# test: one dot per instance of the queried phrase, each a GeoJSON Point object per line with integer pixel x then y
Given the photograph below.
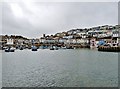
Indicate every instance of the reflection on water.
{"type": "Point", "coordinates": [62, 68]}
{"type": "Point", "coordinates": [0, 69]}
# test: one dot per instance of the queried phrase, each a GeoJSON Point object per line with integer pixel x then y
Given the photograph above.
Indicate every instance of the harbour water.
{"type": "Point", "coordinates": [0, 69]}
{"type": "Point", "coordinates": [61, 68]}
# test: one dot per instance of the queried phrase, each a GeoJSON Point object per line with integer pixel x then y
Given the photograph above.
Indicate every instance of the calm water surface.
{"type": "Point", "coordinates": [0, 69]}
{"type": "Point", "coordinates": [61, 68]}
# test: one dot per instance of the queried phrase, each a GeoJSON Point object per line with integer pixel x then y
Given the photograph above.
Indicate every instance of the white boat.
{"type": "Point", "coordinates": [9, 49]}
{"type": "Point", "coordinates": [53, 48]}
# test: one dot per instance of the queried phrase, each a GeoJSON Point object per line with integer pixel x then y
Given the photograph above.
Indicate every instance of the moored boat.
{"type": "Point", "coordinates": [51, 48]}
{"type": "Point", "coordinates": [56, 48]}
{"type": "Point", "coordinates": [21, 48]}
{"type": "Point", "coordinates": [34, 48]}
{"type": "Point", "coordinates": [9, 50]}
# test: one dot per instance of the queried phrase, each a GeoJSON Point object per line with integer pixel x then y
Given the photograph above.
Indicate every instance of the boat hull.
{"type": "Point", "coordinates": [34, 49]}
{"type": "Point", "coordinates": [9, 50]}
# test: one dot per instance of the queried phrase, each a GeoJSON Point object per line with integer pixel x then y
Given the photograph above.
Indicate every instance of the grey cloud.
{"type": "Point", "coordinates": [52, 17]}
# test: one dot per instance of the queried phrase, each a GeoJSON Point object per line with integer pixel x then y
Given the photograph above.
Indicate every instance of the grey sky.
{"type": "Point", "coordinates": [34, 19]}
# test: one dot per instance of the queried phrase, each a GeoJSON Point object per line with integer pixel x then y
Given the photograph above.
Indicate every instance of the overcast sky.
{"type": "Point", "coordinates": [35, 18]}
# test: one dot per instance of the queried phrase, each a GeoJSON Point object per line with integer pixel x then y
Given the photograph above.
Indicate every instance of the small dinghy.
{"type": "Point", "coordinates": [34, 48]}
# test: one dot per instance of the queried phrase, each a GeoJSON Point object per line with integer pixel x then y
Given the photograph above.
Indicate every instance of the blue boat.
{"type": "Point", "coordinates": [43, 47]}
{"type": "Point", "coordinates": [53, 48]}
{"type": "Point", "coordinates": [34, 48]}
{"type": "Point", "coordinates": [101, 42]}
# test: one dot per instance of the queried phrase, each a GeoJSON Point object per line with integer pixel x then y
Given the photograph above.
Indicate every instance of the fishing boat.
{"type": "Point", "coordinates": [43, 47]}
{"type": "Point", "coordinates": [9, 49]}
{"type": "Point", "coordinates": [3, 48]}
{"type": "Point", "coordinates": [34, 48]}
{"type": "Point", "coordinates": [64, 47]}
{"type": "Point", "coordinates": [21, 48]}
{"type": "Point", "coordinates": [56, 48]}
{"type": "Point", "coordinates": [53, 48]}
